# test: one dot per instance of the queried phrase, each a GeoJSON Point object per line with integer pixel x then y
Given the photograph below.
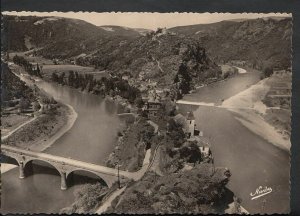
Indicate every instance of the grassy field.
{"type": "Point", "coordinates": [48, 67]}
{"type": "Point", "coordinates": [47, 70]}
{"type": "Point", "coordinates": [32, 59]}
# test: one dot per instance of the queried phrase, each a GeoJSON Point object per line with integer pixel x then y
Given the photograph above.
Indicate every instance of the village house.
{"type": "Point", "coordinates": [205, 151]}
{"type": "Point", "coordinates": [152, 105]}
{"type": "Point", "coordinates": [125, 77]}
{"type": "Point", "coordinates": [188, 124]}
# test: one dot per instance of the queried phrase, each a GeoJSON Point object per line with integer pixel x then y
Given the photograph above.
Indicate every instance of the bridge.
{"type": "Point", "coordinates": [66, 166]}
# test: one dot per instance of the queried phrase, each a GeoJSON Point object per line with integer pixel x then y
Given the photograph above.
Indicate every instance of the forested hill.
{"type": "Point", "coordinates": [155, 56]}
{"type": "Point", "coordinates": [148, 55]}
{"type": "Point", "coordinates": [263, 42]}
{"type": "Point", "coordinates": [12, 87]}
{"type": "Point", "coordinates": [57, 36]}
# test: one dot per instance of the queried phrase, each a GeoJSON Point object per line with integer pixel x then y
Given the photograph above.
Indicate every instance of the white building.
{"type": "Point", "coordinates": [188, 124]}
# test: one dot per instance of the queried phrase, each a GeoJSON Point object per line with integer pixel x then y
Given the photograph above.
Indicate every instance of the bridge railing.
{"type": "Point", "coordinates": [64, 161]}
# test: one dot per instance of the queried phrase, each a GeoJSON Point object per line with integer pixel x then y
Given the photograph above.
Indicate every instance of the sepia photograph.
{"type": "Point", "coordinates": [145, 113]}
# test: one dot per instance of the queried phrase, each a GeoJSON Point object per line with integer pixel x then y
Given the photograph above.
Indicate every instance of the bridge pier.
{"type": "Point", "coordinates": [63, 181]}
{"type": "Point", "coordinates": [21, 170]}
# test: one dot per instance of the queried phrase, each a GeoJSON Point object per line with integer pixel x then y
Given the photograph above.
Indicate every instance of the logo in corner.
{"type": "Point", "coordinates": [260, 191]}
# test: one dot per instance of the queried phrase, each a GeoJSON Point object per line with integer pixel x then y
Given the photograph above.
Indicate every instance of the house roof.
{"type": "Point", "coordinates": [190, 116]}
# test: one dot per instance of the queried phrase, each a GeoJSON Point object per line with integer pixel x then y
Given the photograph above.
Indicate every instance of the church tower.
{"type": "Point", "coordinates": [191, 123]}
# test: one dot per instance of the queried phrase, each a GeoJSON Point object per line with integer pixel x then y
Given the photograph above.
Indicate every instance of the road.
{"type": "Point", "coordinates": [68, 161]}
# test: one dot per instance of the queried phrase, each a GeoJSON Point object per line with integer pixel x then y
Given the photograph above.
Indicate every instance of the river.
{"type": "Point", "coordinates": [252, 160]}
{"type": "Point", "coordinates": [218, 91]}
{"type": "Point", "coordinates": [91, 139]}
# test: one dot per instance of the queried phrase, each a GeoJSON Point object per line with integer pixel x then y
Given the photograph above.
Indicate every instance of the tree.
{"type": "Point", "coordinates": [146, 133]}
{"type": "Point", "coordinates": [61, 78]}
{"type": "Point", "coordinates": [195, 154]}
{"type": "Point", "coordinates": [54, 77]}
{"type": "Point", "coordinates": [139, 102]}
{"type": "Point", "coordinates": [175, 133]}
{"type": "Point", "coordinates": [169, 107]}
{"type": "Point", "coordinates": [268, 71]}
{"type": "Point", "coordinates": [183, 79]}
{"type": "Point", "coordinates": [71, 78]}
{"type": "Point", "coordinates": [24, 104]}
{"type": "Point", "coordinates": [36, 106]}
{"type": "Point", "coordinates": [38, 71]}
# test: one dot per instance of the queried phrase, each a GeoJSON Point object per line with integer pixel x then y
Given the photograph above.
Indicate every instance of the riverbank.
{"type": "Point", "coordinates": [251, 111]}
{"type": "Point", "coordinates": [49, 132]}
{"type": "Point", "coordinates": [41, 133]}
{"type": "Point", "coordinates": [71, 117]}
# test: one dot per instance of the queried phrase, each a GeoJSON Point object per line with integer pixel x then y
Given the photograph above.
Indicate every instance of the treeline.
{"type": "Point", "coordinates": [112, 86]}
{"type": "Point", "coordinates": [12, 87]}
{"type": "Point", "coordinates": [29, 68]}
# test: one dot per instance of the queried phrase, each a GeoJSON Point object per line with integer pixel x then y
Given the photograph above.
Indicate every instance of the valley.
{"type": "Point", "coordinates": [180, 106]}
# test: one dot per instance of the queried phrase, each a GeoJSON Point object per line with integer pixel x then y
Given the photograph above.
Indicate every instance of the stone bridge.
{"type": "Point", "coordinates": [65, 166]}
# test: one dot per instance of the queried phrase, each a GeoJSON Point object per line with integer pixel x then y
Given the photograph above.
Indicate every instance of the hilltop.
{"type": "Point", "coordinates": [56, 36]}
{"type": "Point", "coordinates": [125, 31]}
{"type": "Point", "coordinates": [156, 57]}
{"type": "Point", "coordinates": [261, 42]}
{"type": "Point", "coordinates": [141, 54]}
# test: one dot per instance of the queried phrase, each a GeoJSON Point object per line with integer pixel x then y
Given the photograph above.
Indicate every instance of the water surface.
{"type": "Point", "coordinates": [252, 160]}
{"type": "Point", "coordinates": [91, 139]}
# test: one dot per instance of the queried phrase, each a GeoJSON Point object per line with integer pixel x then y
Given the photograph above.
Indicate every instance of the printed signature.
{"type": "Point", "coordinates": [260, 191]}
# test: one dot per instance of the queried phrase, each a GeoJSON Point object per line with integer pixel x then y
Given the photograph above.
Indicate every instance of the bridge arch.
{"type": "Point", "coordinates": [107, 179]}
{"type": "Point", "coordinates": [28, 162]}
{"type": "Point", "coordinates": [63, 182]}
{"type": "Point", "coordinates": [10, 160]}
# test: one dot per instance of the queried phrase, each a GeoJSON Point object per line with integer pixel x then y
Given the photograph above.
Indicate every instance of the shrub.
{"type": "Point", "coordinates": [268, 71]}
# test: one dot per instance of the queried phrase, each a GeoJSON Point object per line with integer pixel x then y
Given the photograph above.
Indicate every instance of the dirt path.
{"type": "Point", "coordinates": [17, 128]}
{"type": "Point", "coordinates": [108, 202]}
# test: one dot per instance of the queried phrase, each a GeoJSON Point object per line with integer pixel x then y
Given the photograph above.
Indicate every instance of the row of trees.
{"type": "Point", "coordinates": [29, 68]}
{"type": "Point", "coordinates": [105, 86]}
